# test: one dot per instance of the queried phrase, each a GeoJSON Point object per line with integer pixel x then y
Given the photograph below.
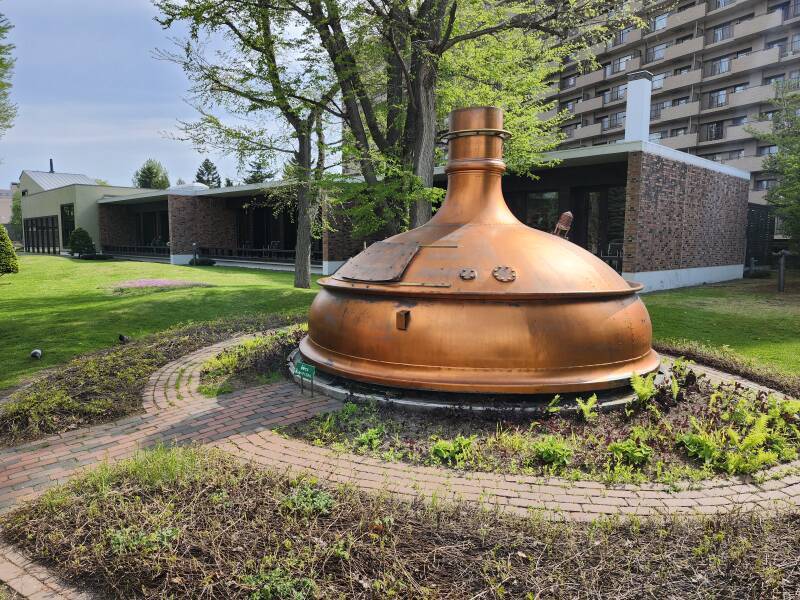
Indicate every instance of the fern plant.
{"type": "Point", "coordinates": [588, 408]}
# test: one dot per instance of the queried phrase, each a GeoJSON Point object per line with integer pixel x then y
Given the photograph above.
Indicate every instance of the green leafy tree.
{"type": "Point", "coordinates": [785, 163]}
{"type": "Point", "coordinates": [151, 174]}
{"type": "Point", "coordinates": [281, 111]}
{"type": "Point", "coordinates": [80, 242]}
{"type": "Point", "coordinates": [8, 258]}
{"type": "Point", "coordinates": [8, 110]}
{"type": "Point", "coordinates": [207, 174]}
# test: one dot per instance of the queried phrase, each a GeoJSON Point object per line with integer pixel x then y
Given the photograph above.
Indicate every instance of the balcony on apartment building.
{"type": "Point", "coordinates": [710, 133]}
{"type": "Point", "coordinates": [674, 82]}
{"type": "Point", "coordinates": [616, 69]}
{"type": "Point", "coordinates": [660, 114]}
{"type": "Point", "coordinates": [719, 101]}
{"type": "Point", "coordinates": [728, 33]}
{"type": "Point", "coordinates": [588, 105]}
{"type": "Point", "coordinates": [718, 69]}
{"type": "Point", "coordinates": [679, 142]}
{"type": "Point", "coordinates": [677, 19]}
{"type": "Point", "coordinates": [585, 131]}
{"type": "Point", "coordinates": [719, 7]}
{"type": "Point", "coordinates": [750, 163]}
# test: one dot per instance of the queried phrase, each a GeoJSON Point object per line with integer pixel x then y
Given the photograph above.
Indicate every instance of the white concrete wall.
{"type": "Point", "coordinates": [677, 278]}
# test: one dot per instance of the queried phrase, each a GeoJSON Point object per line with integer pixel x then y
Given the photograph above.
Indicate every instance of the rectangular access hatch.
{"type": "Point", "coordinates": [382, 261]}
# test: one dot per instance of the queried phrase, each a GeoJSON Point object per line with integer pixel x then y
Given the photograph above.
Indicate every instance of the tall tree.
{"type": "Point", "coordinates": [15, 225]}
{"type": "Point", "coordinates": [271, 77]}
{"type": "Point", "coordinates": [151, 174]}
{"type": "Point", "coordinates": [415, 38]}
{"type": "Point", "coordinates": [785, 163]}
{"type": "Point", "coordinates": [8, 110]}
{"type": "Point", "coordinates": [207, 174]}
{"type": "Point", "coordinates": [258, 172]}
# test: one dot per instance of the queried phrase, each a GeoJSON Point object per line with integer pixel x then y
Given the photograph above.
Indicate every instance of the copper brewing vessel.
{"type": "Point", "coordinates": [475, 301]}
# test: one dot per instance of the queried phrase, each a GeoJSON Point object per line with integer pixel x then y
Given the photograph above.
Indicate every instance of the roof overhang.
{"type": "Point", "coordinates": [236, 191]}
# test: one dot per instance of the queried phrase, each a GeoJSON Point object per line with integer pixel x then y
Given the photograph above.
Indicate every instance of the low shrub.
{"type": "Point", "coordinates": [80, 242]}
{"type": "Point", "coordinates": [96, 257]}
{"type": "Point", "coordinates": [8, 257]}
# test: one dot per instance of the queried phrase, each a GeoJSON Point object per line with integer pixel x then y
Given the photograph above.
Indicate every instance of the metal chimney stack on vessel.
{"type": "Point", "coordinates": [475, 301]}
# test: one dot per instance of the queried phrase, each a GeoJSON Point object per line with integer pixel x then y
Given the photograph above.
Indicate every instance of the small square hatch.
{"type": "Point", "coordinates": [382, 261]}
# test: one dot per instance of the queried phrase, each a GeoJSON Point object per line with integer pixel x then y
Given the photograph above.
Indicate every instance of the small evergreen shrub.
{"type": "Point", "coordinates": [80, 242]}
{"type": "Point", "coordinates": [8, 258]}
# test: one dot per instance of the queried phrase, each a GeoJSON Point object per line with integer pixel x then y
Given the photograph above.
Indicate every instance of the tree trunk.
{"type": "Point", "coordinates": [424, 140]}
{"type": "Point", "coordinates": [305, 214]}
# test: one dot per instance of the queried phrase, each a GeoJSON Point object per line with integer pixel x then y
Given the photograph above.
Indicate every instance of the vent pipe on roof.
{"type": "Point", "coordinates": [637, 107]}
{"type": "Point", "coordinates": [51, 166]}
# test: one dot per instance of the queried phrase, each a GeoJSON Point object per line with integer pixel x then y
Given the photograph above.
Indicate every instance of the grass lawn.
{"type": "Point", "coordinates": [68, 307]}
{"type": "Point", "coordinates": [748, 317]}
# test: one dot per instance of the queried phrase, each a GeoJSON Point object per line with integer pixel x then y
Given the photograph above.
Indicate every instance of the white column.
{"type": "Point", "coordinates": [637, 108]}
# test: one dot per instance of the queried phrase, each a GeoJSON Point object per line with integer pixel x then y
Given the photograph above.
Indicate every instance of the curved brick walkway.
{"type": "Point", "coordinates": [242, 423]}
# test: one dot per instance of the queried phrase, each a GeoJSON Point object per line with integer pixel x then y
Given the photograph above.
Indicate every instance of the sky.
{"type": "Point", "coordinates": [92, 97]}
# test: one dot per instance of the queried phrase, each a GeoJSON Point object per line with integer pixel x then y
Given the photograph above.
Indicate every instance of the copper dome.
{"type": "Point", "coordinates": [475, 301]}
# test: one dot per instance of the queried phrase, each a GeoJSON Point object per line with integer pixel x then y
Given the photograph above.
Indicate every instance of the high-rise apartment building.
{"type": "Point", "coordinates": [715, 67]}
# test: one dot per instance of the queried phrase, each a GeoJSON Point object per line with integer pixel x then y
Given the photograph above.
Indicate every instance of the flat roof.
{"type": "Point", "coordinates": [609, 152]}
{"type": "Point", "coordinates": [155, 195]}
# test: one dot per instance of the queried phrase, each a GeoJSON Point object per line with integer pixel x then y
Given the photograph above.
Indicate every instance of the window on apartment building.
{"type": "Point", "coordinates": [678, 131]}
{"type": "Point", "coordinates": [617, 92]}
{"type": "Point", "coordinates": [568, 82]}
{"type": "Point", "coordinates": [717, 98]}
{"type": "Point", "coordinates": [622, 36]}
{"type": "Point", "coordinates": [656, 52]}
{"type": "Point", "coordinates": [736, 121]}
{"type": "Point", "coordinates": [657, 135]}
{"type": "Point", "coordinates": [782, 43]}
{"type": "Point", "coordinates": [659, 21]}
{"type": "Point", "coordinates": [767, 115]}
{"type": "Point", "coordinates": [658, 81]}
{"type": "Point", "coordinates": [796, 41]}
{"type": "Point", "coordinates": [766, 150]}
{"type": "Point", "coordinates": [712, 131]}
{"type": "Point", "coordinates": [570, 104]}
{"type": "Point", "coordinates": [720, 32]}
{"type": "Point", "coordinates": [784, 8]}
{"type": "Point", "coordinates": [618, 65]}
{"type": "Point", "coordinates": [739, 87]}
{"type": "Point", "coordinates": [721, 3]}
{"type": "Point", "coordinates": [765, 184]}
{"type": "Point", "coordinates": [773, 79]}
{"type": "Point", "coordinates": [682, 70]}
{"type": "Point", "coordinates": [715, 157]}
{"type": "Point", "coordinates": [684, 38]}
{"type": "Point", "coordinates": [680, 101]}
{"type": "Point", "coordinates": [733, 154]}
{"type": "Point", "coordinates": [717, 66]}
{"type": "Point", "coordinates": [657, 107]}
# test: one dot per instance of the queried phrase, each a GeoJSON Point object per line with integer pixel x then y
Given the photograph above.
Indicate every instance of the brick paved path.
{"type": "Point", "coordinates": [242, 423]}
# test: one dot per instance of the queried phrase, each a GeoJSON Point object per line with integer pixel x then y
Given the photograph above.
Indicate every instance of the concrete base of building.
{"type": "Point", "coordinates": [329, 267]}
{"type": "Point", "coordinates": [676, 278]}
{"type": "Point", "coordinates": [180, 259]}
{"type": "Point", "coordinates": [269, 266]}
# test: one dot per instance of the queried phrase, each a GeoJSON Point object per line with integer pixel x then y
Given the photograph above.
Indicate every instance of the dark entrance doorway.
{"type": "Point", "coordinates": [599, 221]}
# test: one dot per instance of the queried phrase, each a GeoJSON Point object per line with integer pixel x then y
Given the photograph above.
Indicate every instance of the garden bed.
{"type": "Point", "coordinates": [256, 361]}
{"type": "Point", "coordinates": [107, 385]}
{"type": "Point", "coordinates": [684, 428]}
{"type": "Point", "coordinates": [192, 523]}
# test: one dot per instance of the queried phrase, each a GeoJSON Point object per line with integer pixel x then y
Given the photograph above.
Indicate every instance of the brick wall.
{"type": "Point", "coordinates": [209, 222]}
{"type": "Point", "coordinates": [117, 225]}
{"type": "Point", "coordinates": [341, 244]}
{"type": "Point", "coordinates": [680, 216]}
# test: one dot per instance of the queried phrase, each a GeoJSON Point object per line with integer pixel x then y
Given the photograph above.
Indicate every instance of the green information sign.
{"type": "Point", "coordinates": [305, 370]}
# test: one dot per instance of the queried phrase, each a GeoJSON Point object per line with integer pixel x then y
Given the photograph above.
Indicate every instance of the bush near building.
{"type": "Point", "coordinates": [8, 258]}
{"type": "Point", "coordinates": [80, 242]}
